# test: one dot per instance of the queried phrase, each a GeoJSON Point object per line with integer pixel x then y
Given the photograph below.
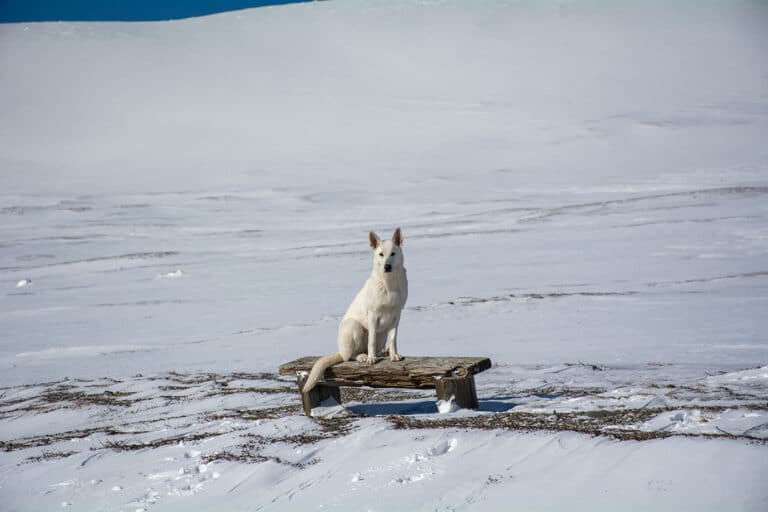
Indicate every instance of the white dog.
{"type": "Point", "coordinates": [374, 313]}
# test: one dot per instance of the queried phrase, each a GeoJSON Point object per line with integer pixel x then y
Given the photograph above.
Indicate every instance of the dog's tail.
{"type": "Point", "coordinates": [318, 369]}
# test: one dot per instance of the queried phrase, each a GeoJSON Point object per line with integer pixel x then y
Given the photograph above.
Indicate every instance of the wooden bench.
{"type": "Point", "coordinates": [452, 377]}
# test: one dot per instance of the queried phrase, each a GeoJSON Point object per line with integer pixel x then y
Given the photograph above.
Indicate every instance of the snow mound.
{"type": "Point", "coordinates": [447, 406]}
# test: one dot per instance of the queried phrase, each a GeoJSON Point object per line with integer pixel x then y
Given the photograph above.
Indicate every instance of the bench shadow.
{"type": "Point", "coordinates": [409, 407]}
{"type": "Point", "coordinates": [495, 405]}
{"type": "Point", "coordinates": [404, 408]}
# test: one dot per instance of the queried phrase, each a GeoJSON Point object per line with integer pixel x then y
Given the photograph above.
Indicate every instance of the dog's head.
{"type": "Point", "coordinates": [388, 255]}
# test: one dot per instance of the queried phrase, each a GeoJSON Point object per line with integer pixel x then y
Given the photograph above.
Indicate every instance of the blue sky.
{"type": "Point", "coordinates": [120, 10]}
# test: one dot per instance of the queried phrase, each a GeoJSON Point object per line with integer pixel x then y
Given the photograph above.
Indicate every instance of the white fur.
{"type": "Point", "coordinates": [374, 314]}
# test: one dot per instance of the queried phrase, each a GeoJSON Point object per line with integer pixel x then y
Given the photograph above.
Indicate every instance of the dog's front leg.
{"type": "Point", "coordinates": [393, 355]}
{"type": "Point", "coordinates": [371, 358]}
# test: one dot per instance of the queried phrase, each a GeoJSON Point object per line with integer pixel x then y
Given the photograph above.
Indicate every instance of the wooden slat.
{"type": "Point", "coordinates": [411, 372]}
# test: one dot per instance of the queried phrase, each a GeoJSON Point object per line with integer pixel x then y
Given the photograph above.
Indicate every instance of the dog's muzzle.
{"type": "Point", "coordinates": [387, 268]}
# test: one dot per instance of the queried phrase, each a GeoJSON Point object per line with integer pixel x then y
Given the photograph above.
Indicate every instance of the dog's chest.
{"type": "Point", "coordinates": [385, 318]}
{"type": "Point", "coordinates": [391, 294]}
{"type": "Point", "coordinates": [387, 303]}
{"type": "Point", "coordinates": [392, 299]}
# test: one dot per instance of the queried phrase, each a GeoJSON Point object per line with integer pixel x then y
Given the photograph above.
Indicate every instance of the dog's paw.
{"type": "Point", "coordinates": [366, 359]}
{"type": "Point", "coordinates": [395, 357]}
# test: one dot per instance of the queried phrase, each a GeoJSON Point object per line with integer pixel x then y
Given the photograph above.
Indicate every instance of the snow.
{"type": "Point", "coordinates": [329, 408]}
{"type": "Point", "coordinates": [447, 406]}
{"type": "Point", "coordinates": [582, 190]}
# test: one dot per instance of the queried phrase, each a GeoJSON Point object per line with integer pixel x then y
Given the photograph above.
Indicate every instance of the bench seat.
{"type": "Point", "coordinates": [451, 377]}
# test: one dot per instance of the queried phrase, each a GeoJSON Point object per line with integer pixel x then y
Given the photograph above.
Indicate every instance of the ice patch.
{"type": "Point", "coordinates": [752, 376]}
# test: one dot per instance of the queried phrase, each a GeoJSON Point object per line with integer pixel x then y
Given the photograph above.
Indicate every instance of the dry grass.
{"type": "Point", "coordinates": [127, 446]}
{"type": "Point", "coordinates": [48, 455]}
{"type": "Point", "coordinates": [49, 439]}
{"type": "Point", "coordinates": [372, 395]}
{"type": "Point", "coordinates": [596, 423]}
{"type": "Point", "coordinates": [252, 451]}
{"type": "Point", "coordinates": [121, 434]}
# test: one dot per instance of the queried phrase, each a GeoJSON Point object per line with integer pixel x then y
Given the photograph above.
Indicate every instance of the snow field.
{"type": "Point", "coordinates": [582, 189]}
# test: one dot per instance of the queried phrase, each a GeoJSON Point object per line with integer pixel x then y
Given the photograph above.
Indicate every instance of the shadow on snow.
{"type": "Point", "coordinates": [407, 408]}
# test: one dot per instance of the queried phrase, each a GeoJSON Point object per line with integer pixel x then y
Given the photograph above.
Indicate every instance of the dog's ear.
{"type": "Point", "coordinates": [374, 240]}
{"type": "Point", "coordinates": [397, 237]}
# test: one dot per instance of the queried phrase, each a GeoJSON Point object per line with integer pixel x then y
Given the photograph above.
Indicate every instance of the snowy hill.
{"type": "Point", "coordinates": [582, 189]}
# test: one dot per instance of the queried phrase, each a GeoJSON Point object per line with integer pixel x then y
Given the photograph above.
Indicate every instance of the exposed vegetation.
{"type": "Point", "coordinates": [615, 423]}
{"type": "Point", "coordinates": [138, 417]}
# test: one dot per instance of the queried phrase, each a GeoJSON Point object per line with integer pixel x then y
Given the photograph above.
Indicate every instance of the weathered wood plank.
{"type": "Point", "coordinates": [411, 372]}
{"type": "Point", "coordinates": [315, 396]}
{"type": "Point", "coordinates": [460, 389]}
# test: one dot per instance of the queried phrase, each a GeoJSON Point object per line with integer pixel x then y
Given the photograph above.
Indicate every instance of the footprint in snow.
{"type": "Point", "coordinates": [437, 450]}
{"type": "Point", "coordinates": [443, 447]}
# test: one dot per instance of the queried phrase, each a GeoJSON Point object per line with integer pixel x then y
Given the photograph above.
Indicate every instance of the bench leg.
{"type": "Point", "coordinates": [461, 388]}
{"type": "Point", "coordinates": [316, 395]}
